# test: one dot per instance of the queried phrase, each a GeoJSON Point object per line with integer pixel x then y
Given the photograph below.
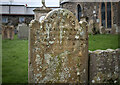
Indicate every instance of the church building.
{"type": "Point", "coordinates": [106, 14]}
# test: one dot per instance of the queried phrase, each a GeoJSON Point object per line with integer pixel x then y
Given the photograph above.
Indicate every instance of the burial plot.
{"type": "Point", "coordinates": [58, 49]}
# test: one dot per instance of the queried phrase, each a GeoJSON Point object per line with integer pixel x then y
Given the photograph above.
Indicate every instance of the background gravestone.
{"type": "Point", "coordinates": [21, 24]}
{"type": "Point", "coordinates": [58, 49]}
{"type": "Point", "coordinates": [8, 32]}
{"type": "Point", "coordinates": [102, 30]}
{"type": "Point", "coordinates": [23, 32]}
{"type": "Point", "coordinates": [90, 26]}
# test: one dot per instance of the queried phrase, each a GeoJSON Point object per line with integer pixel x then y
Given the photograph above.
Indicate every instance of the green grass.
{"type": "Point", "coordinates": [103, 42]}
{"type": "Point", "coordinates": [14, 61]}
{"type": "Point", "coordinates": [15, 56]}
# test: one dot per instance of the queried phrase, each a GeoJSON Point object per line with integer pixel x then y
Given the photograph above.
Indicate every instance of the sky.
{"type": "Point", "coordinates": [34, 3]}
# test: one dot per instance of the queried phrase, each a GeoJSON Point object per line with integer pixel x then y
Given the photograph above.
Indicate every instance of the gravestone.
{"type": "Point", "coordinates": [23, 32]}
{"type": "Point", "coordinates": [104, 66]}
{"type": "Point", "coordinates": [115, 29]}
{"type": "Point", "coordinates": [90, 26]}
{"type": "Point", "coordinates": [102, 30]}
{"type": "Point", "coordinates": [23, 24]}
{"type": "Point", "coordinates": [58, 49]}
{"type": "Point", "coordinates": [93, 27]}
{"type": "Point", "coordinates": [8, 32]}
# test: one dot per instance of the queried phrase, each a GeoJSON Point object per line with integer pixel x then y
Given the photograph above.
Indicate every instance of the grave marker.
{"type": "Point", "coordinates": [58, 49]}
{"type": "Point", "coordinates": [23, 32]}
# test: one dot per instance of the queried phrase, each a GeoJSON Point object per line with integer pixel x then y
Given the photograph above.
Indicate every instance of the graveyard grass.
{"type": "Point", "coordinates": [14, 61]}
{"type": "Point", "coordinates": [15, 56]}
{"type": "Point", "coordinates": [103, 42]}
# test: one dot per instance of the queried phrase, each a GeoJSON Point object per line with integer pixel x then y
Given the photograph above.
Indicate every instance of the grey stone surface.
{"type": "Point", "coordinates": [23, 32]}
{"type": "Point", "coordinates": [104, 66]}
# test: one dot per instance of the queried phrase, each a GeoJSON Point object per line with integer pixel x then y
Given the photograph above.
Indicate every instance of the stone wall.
{"type": "Point", "coordinates": [87, 8]}
{"type": "Point", "coordinates": [71, 7]}
{"type": "Point", "coordinates": [104, 66]}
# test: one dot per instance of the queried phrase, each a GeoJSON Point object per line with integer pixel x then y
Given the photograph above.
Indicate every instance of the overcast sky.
{"type": "Point", "coordinates": [37, 3]}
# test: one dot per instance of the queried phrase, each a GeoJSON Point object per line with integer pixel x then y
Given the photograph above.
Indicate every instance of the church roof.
{"type": "Point", "coordinates": [64, 1]}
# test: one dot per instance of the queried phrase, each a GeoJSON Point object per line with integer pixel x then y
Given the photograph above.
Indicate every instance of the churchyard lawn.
{"type": "Point", "coordinates": [104, 42]}
{"type": "Point", "coordinates": [15, 56]}
{"type": "Point", "coordinates": [14, 61]}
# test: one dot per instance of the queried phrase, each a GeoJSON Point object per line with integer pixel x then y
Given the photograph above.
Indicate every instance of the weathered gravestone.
{"type": "Point", "coordinates": [58, 49]}
{"type": "Point", "coordinates": [90, 26]}
{"type": "Point", "coordinates": [115, 29]}
{"type": "Point", "coordinates": [7, 32]}
{"type": "Point", "coordinates": [23, 24]}
{"type": "Point", "coordinates": [102, 30]}
{"type": "Point", "coordinates": [93, 27]}
{"type": "Point", "coordinates": [104, 66]}
{"type": "Point", "coordinates": [23, 32]}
